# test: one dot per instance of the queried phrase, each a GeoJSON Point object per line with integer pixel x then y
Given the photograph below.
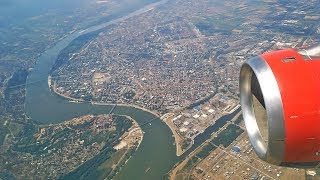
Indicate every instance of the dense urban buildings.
{"type": "Point", "coordinates": [179, 60]}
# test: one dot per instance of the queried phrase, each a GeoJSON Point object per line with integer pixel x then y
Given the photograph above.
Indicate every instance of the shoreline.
{"type": "Point", "coordinates": [135, 125]}
{"type": "Point", "coordinates": [122, 105]}
{"type": "Point", "coordinates": [177, 138]}
{"type": "Point", "coordinates": [52, 86]}
{"type": "Point", "coordinates": [140, 129]}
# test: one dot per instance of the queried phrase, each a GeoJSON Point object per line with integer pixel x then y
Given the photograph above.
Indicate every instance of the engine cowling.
{"type": "Point", "coordinates": [280, 100]}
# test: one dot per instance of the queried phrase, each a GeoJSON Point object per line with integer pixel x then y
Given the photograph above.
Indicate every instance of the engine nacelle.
{"type": "Point", "coordinates": [280, 99]}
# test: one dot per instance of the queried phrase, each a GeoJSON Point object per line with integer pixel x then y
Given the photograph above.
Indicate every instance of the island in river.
{"type": "Point", "coordinates": [156, 151]}
{"type": "Point", "coordinates": [41, 107]}
{"type": "Point", "coordinates": [71, 149]}
{"type": "Point", "coordinates": [186, 51]}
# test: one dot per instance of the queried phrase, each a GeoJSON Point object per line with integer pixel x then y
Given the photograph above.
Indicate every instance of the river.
{"type": "Point", "coordinates": [157, 150]}
{"type": "Point", "coordinates": [155, 156]}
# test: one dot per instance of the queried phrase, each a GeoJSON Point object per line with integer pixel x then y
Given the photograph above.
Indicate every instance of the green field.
{"type": "Point", "coordinates": [227, 136]}
{"type": "Point", "coordinates": [205, 150]}
{"type": "Point", "coordinates": [3, 131]}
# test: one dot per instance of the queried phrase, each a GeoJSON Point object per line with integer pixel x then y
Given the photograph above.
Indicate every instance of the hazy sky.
{"type": "Point", "coordinates": [29, 8]}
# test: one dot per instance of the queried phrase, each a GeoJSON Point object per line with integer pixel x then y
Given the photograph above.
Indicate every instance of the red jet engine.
{"type": "Point", "coordinates": [280, 100]}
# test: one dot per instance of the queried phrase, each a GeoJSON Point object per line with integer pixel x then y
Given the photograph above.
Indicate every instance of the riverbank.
{"type": "Point", "coordinates": [127, 105]}
{"type": "Point", "coordinates": [52, 86]}
{"type": "Point", "coordinates": [178, 139]}
{"type": "Point", "coordinates": [45, 107]}
{"type": "Point", "coordinates": [135, 132]}
{"type": "Point", "coordinates": [167, 118]}
{"type": "Point", "coordinates": [130, 141]}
